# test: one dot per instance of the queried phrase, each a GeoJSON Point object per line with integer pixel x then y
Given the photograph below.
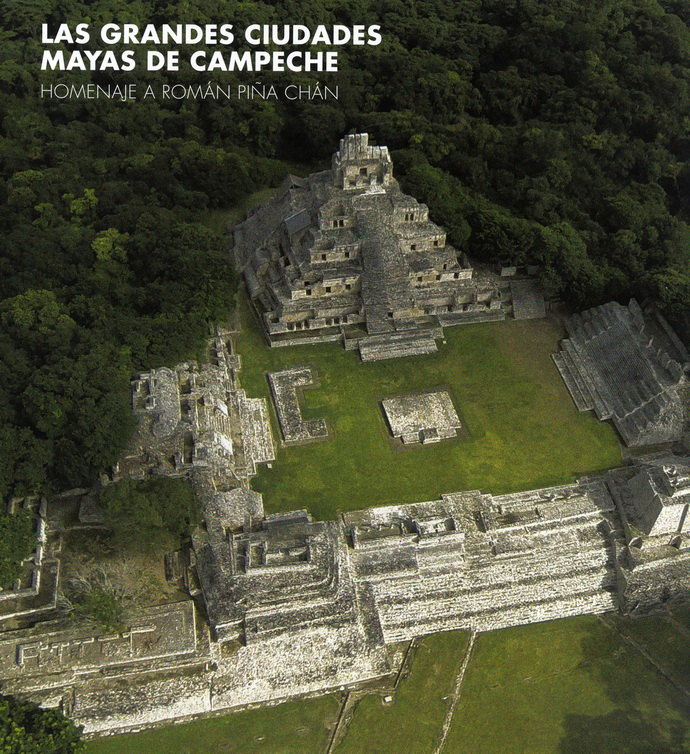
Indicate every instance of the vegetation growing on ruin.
{"type": "Point", "coordinates": [17, 539]}
{"type": "Point", "coordinates": [150, 514]}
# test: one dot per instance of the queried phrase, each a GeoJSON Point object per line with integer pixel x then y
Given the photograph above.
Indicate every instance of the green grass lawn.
{"type": "Point", "coordinates": [521, 429]}
{"type": "Point", "coordinates": [291, 728]}
{"type": "Point", "coordinates": [569, 686]}
{"type": "Point", "coordinates": [666, 642]}
{"type": "Point", "coordinates": [411, 723]}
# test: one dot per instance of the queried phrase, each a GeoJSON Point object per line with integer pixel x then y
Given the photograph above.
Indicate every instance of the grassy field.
{"type": "Point", "coordinates": [568, 686]}
{"type": "Point", "coordinates": [521, 429]}
{"type": "Point", "coordinates": [291, 728]}
{"type": "Point", "coordinates": [666, 640]}
{"type": "Point", "coordinates": [411, 723]}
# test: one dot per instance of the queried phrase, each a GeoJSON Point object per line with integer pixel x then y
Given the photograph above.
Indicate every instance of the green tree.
{"type": "Point", "coordinates": [25, 728]}
{"type": "Point", "coordinates": [154, 513]}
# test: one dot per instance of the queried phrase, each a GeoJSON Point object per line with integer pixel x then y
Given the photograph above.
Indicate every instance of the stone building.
{"type": "Point", "coordinates": [653, 561]}
{"type": "Point", "coordinates": [345, 255]}
{"type": "Point", "coordinates": [422, 417]}
{"type": "Point", "coordinates": [619, 364]}
{"type": "Point", "coordinates": [198, 423]}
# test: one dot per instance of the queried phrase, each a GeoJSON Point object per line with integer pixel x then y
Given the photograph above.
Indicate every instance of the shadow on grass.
{"type": "Point", "coordinates": [624, 731]}
{"type": "Point", "coordinates": [650, 716]}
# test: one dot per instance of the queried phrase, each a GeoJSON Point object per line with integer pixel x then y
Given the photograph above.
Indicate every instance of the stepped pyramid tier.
{"type": "Point", "coordinates": [469, 560]}
{"type": "Point", "coordinates": [473, 561]}
{"type": "Point", "coordinates": [614, 364]}
{"type": "Point", "coordinates": [298, 607]}
{"type": "Point", "coordinates": [345, 255]}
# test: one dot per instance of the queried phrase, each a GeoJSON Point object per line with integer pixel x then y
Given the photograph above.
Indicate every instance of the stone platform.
{"type": "Point", "coordinates": [422, 417]}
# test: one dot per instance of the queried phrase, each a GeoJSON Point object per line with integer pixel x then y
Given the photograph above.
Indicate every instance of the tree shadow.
{"type": "Point", "coordinates": [631, 728]}
{"type": "Point", "coordinates": [622, 731]}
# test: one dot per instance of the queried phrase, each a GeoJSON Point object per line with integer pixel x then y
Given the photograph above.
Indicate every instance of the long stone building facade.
{"type": "Point", "coordinates": [345, 255]}
{"type": "Point", "coordinates": [295, 607]}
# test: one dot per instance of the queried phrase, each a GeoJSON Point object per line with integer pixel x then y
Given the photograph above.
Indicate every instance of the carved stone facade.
{"type": "Point", "coordinates": [345, 255]}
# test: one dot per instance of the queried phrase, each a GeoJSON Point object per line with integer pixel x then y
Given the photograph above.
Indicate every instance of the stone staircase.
{"type": "Point", "coordinates": [609, 367]}
{"type": "Point", "coordinates": [396, 344]}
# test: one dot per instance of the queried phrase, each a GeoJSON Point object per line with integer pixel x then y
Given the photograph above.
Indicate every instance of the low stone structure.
{"type": "Point", "coordinates": [422, 417]}
{"type": "Point", "coordinates": [612, 364]}
{"type": "Point", "coordinates": [474, 561]}
{"type": "Point", "coordinates": [285, 385]}
{"type": "Point", "coordinates": [528, 299]}
{"type": "Point", "coordinates": [97, 679]}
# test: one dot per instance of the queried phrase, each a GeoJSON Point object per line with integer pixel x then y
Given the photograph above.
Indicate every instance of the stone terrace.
{"type": "Point", "coordinates": [476, 562]}
{"type": "Point", "coordinates": [528, 299]}
{"type": "Point", "coordinates": [35, 591]}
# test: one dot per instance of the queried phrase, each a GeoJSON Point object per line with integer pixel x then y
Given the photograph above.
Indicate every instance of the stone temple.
{"type": "Point", "coordinates": [344, 255]}
{"type": "Point", "coordinates": [619, 364]}
{"type": "Point", "coordinates": [283, 606]}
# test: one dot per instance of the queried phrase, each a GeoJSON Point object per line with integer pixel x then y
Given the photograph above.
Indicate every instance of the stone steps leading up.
{"type": "Point", "coordinates": [448, 319]}
{"type": "Point", "coordinates": [582, 399]}
{"type": "Point", "coordinates": [583, 603]}
{"type": "Point", "coordinates": [395, 345]}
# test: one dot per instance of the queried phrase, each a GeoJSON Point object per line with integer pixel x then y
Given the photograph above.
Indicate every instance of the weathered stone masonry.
{"type": "Point", "coordinates": [345, 255]}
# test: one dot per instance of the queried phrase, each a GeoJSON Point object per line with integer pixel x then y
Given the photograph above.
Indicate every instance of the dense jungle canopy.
{"type": "Point", "coordinates": [537, 131]}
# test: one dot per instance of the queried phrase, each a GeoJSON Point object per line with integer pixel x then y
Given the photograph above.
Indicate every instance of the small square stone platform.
{"type": "Point", "coordinates": [422, 417]}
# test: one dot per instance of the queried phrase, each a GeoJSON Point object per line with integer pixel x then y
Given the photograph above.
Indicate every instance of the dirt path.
{"type": "Point", "coordinates": [455, 695]}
